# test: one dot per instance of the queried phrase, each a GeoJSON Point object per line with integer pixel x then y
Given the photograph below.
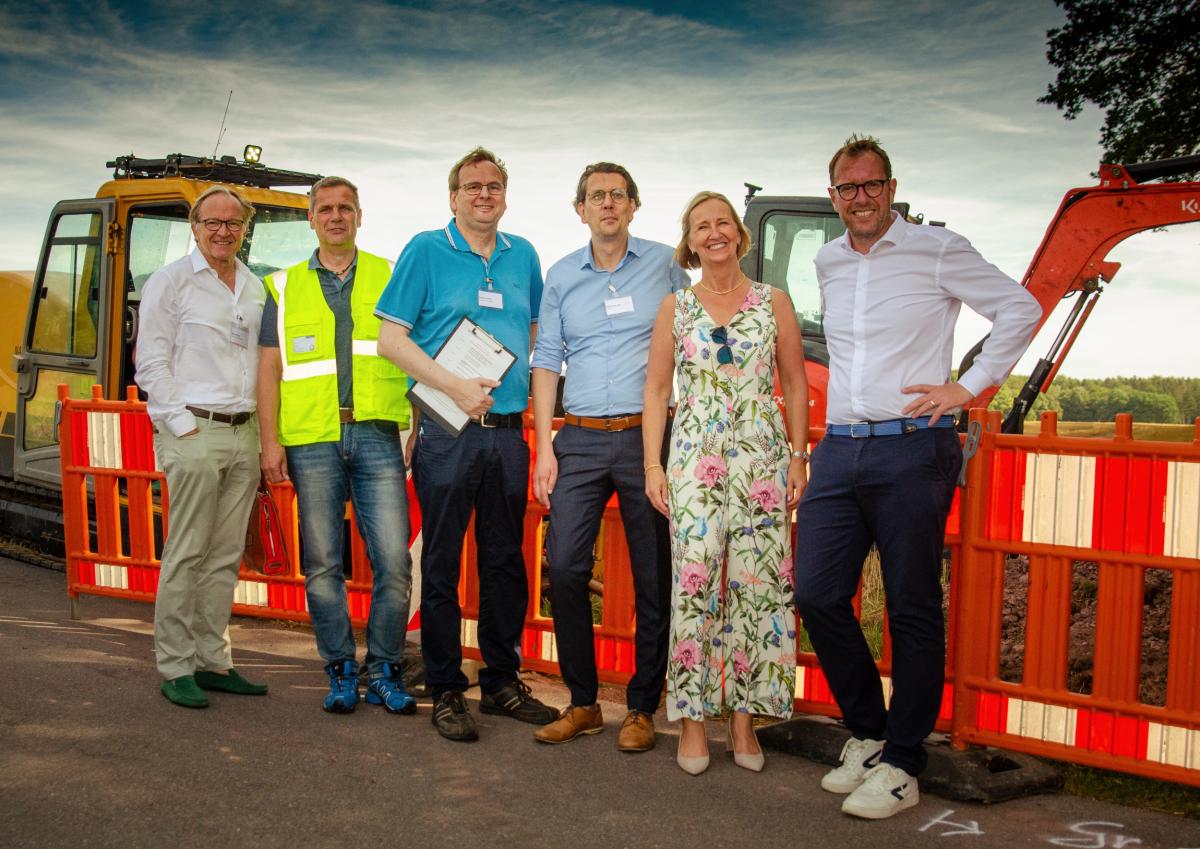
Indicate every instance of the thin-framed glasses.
{"type": "Point", "coordinates": [473, 189]}
{"type": "Point", "coordinates": [234, 225]}
{"type": "Point", "coordinates": [724, 353]}
{"type": "Point", "coordinates": [849, 191]}
{"type": "Point", "coordinates": [597, 197]}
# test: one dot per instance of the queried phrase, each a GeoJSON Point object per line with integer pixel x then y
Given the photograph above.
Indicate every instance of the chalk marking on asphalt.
{"type": "Point", "coordinates": [1094, 839]}
{"type": "Point", "coordinates": [968, 827]}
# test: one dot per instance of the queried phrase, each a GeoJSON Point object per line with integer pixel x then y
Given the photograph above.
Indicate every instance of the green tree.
{"type": "Point", "coordinates": [1139, 60]}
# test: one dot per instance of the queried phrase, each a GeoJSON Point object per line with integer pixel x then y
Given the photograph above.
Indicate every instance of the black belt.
{"type": "Point", "coordinates": [500, 420]}
{"type": "Point", "coordinates": [224, 418]}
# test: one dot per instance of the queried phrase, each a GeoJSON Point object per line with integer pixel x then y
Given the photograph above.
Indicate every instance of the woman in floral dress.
{"type": "Point", "coordinates": [730, 484]}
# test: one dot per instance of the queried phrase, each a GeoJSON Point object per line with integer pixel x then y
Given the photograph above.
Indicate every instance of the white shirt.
{"type": "Point", "coordinates": [190, 348]}
{"type": "Point", "coordinates": [890, 316]}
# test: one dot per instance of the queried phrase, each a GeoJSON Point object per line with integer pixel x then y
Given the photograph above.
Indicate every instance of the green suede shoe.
{"type": "Point", "coordinates": [231, 683]}
{"type": "Point", "coordinates": [184, 692]}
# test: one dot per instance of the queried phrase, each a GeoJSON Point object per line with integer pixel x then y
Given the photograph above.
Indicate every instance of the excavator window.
{"type": "Point", "coordinates": [67, 306]}
{"type": "Point", "coordinates": [789, 244]}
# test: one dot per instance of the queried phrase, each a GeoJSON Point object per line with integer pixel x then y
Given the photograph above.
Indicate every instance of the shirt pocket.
{"type": "Point", "coordinates": [305, 344]}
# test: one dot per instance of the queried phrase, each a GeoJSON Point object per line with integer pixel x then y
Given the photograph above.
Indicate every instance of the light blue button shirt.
{"type": "Point", "coordinates": [605, 350]}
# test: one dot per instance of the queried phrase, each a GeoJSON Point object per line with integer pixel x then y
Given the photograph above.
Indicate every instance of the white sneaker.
{"type": "Point", "coordinates": [887, 790]}
{"type": "Point", "coordinates": [858, 757]}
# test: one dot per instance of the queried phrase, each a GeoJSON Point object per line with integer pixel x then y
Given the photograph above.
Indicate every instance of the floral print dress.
{"type": "Point", "coordinates": [733, 623]}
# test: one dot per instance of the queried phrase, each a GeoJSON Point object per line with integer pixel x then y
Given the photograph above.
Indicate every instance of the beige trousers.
{"type": "Point", "coordinates": [211, 480]}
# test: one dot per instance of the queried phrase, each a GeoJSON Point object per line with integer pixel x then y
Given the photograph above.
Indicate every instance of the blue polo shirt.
{"type": "Point", "coordinates": [436, 282]}
{"type": "Point", "coordinates": [605, 348]}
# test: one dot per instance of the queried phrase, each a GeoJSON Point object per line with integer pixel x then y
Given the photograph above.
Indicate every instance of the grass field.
{"type": "Point", "coordinates": [1157, 432]}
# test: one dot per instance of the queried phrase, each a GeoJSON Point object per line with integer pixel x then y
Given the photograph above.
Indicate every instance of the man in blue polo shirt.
{"type": "Point", "coordinates": [597, 317]}
{"type": "Point", "coordinates": [470, 269]}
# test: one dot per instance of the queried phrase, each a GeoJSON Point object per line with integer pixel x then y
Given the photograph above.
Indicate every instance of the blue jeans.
{"type": "Point", "coordinates": [896, 491]}
{"type": "Point", "coordinates": [365, 466]}
{"type": "Point", "coordinates": [485, 471]}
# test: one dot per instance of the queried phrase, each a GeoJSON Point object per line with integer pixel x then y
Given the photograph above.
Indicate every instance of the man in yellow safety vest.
{"type": "Point", "coordinates": [331, 411]}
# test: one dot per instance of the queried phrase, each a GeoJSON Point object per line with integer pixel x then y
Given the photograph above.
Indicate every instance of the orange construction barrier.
{"type": "Point", "coordinates": [1116, 506]}
{"type": "Point", "coordinates": [114, 539]}
{"type": "Point", "coordinates": [1034, 505]}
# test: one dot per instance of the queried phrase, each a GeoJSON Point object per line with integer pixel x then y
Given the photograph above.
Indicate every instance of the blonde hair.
{"type": "Point", "coordinates": [684, 255]}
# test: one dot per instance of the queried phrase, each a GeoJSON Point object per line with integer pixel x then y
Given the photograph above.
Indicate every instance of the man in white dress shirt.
{"type": "Point", "coordinates": [886, 470]}
{"type": "Point", "coordinates": [197, 361]}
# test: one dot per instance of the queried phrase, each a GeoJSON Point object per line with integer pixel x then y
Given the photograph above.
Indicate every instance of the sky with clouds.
{"type": "Point", "coordinates": [688, 96]}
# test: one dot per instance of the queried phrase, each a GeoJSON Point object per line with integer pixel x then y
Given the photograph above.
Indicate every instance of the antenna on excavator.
{"type": "Point", "coordinates": [221, 132]}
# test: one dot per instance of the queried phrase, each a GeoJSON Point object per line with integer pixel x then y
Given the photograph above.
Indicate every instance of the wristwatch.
{"type": "Point", "coordinates": [801, 455]}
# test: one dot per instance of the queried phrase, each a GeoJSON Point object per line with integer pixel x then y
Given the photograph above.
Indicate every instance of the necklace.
{"type": "Point", "coordinates": [733, 288]}
{"type": "Point", "coordinates": [339, 271]}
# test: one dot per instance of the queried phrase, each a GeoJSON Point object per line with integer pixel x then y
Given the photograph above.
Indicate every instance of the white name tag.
{"type": "Point", "coordinates": [616, 306]}
{"type": "Point", "coordinates": [240, 335]}
{"type": "Point", "coordinates": [304, 344]}
{"type": "Point", "coordinates": [491, 300]}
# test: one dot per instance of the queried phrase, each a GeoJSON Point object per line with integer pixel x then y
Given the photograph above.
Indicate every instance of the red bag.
{"type": "Point", "coordinates": [265, 549]}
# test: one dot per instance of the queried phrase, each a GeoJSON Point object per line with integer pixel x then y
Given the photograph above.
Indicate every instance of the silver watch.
{"type": "Point", "coordinates": [801, 455]}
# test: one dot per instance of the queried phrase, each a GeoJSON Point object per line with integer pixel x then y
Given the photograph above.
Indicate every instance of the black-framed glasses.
{"type": "Point", "coordinates": [724, 353]}
{"type": "Point", "coordinates": [234, 225]}
{"type": "Point", "coordinates": [473, 189]}
{"type": "Point", "coordinates": [597, 197]}
{"type": "Point", "coordinates": [849, 191]}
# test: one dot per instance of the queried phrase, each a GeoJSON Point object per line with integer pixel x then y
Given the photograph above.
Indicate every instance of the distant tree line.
{"type": "Point", "coordinates": [1169, 400]}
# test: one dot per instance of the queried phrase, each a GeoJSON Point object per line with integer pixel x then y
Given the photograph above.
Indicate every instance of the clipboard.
{"type": "Point", "coordinates": [469, 351]}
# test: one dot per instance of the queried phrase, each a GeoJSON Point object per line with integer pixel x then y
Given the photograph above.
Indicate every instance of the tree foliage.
{"type": "Point", "coordinates": [1168, 400]}
{"type": "Point", "coordinates": [1139, 60]}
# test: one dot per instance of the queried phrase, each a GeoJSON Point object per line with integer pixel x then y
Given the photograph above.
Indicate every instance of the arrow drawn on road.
{"type": "Point", "coordinates": [942, 819]}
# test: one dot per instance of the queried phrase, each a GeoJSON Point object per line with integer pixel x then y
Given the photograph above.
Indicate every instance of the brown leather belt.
{"type": "Point", "coordinates": [346, 415]}
{"type": "Point", "coordinates": [611, 423]}
{"type": "Point", "coordinates": [224, 418]}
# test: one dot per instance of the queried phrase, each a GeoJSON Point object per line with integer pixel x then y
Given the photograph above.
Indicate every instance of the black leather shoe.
{"type": "Point", "coordinates": [452, 719]}
{"type": "Point", "coordinates": [517, 701]}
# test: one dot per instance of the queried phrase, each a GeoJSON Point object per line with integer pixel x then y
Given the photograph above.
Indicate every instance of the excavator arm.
{"type": "Point", "coordinates": [1071, 260]}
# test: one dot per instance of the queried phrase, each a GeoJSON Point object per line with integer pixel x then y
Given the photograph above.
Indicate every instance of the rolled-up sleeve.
{"type": "Point", "coordinates": [548, 349]}
{"type": "Point", "coordinates": [1013, 311]}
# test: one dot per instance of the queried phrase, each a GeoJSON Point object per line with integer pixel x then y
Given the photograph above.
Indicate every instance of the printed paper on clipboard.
{"type": "Point", "coordinates": [470, 351]}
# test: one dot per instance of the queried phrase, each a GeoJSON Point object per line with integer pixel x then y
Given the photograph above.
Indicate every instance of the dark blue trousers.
{"type": "Point", "coordinates": [592, 465]}
{"type": "Point", "coordinates": [485, 470]}
{"type": "Point", "coordinates": [894, 491]}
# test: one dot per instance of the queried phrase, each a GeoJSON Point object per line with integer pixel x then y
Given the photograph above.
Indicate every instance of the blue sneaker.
{"type": "Point", "coordinates": [343, 687]}
{"type": "Point", "coordinates": [388, 690]}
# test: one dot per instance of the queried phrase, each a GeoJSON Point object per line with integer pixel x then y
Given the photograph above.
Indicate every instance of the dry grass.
{"type": "Point", "coordinates": [1104, 430]}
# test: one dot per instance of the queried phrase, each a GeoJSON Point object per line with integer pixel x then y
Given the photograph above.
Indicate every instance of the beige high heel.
{"type": "Point", "coordinates": [753, 762]}
{"type": "Point", "coordinates": [691, 765]}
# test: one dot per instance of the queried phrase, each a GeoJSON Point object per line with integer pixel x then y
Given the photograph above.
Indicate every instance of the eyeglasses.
{"type": "Point", "coordinates": [724, 353]}
{"type": "Point", "coordinates": [234, 225]}
{"type": "Point", "coordinates": [849, 191]}
{"type": "Point", "coordinates": [473, 189]}
{"type": "Point", "coordinates": [597, 197]}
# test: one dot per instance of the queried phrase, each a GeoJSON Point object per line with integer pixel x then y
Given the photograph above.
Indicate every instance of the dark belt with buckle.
{"type": "Point", "coordinates": [607, 423]}
{"type": "Point", "coordinates": [500, 420]}
{"type": "Point", "coordinates": [223, 418]}
{"type": "Point", "coordinates": [346, 415]}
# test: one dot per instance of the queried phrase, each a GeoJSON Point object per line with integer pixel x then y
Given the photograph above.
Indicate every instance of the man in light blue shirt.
{"type": "Point", "coordinates": [597, 316]}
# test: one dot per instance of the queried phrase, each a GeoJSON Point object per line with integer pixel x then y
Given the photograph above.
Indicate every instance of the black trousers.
{"type": "Point", "coordinates": [895, 491]}
{"type": "Point", "coordinates": [592, 465]}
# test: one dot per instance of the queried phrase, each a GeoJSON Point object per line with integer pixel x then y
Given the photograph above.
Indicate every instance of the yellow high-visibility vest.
{"type": "Point", "coordinates": [308, 392]}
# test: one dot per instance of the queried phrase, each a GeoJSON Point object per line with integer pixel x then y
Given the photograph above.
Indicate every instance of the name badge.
{"type": "Point", "coordinates": [304, 344]}
{"type": "Point", "coordinates": [617, 306]}
{"type": "Point", "coordinates": [491, 299]}
{"type": "Point", "coordinates": [240, 335]}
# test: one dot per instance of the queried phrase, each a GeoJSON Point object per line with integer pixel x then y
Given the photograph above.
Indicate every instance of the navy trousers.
{"type": "Point", "coordinates": [895, 491]}
{"type": "Point", "coordinates": [485, 470]}
{"type": "Point", "coordinates": [592, 465]}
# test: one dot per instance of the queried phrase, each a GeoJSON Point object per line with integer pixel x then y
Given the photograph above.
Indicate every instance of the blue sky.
{"type": "Point", "coordinates": [688, 96]}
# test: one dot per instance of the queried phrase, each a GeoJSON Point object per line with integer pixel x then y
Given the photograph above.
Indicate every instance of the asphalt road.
{"type": "Point", "coordinates": [92, 756]}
